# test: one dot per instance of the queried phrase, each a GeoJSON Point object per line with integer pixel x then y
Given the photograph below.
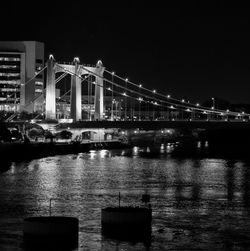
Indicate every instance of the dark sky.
{"type": "Point", "coordinates": [190, 51]}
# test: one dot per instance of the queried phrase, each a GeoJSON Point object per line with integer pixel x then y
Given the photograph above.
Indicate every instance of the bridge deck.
{"type": "Point", "coordinates": [151, 125]}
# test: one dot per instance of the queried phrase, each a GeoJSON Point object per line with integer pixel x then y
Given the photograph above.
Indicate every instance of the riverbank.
{"type": "Point", "coordinates": [20, 151]}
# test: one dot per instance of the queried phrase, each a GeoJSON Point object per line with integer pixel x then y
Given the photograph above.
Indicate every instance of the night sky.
{"type": "Point", "coordinates": [191, 51]}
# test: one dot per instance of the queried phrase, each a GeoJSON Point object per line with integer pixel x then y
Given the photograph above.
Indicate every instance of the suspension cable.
{"type": "Point", "coordinates": [205, 109]}
{"type": "Point", "coordinates": [189, 105]}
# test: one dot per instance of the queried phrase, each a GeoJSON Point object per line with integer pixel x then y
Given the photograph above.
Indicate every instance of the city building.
{"type": "Point", "coordinates": [20, 61]}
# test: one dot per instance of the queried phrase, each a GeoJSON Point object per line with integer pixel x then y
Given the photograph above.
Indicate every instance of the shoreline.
{"type": "Point", "coordinates": [20, 151]}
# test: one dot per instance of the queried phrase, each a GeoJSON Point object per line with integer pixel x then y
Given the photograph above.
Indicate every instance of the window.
{"type": "Point", "coordinates": [8, 66]}
{"type": "Point", "coordinates": [9, 59]}
{"type": "Point", "coordinates": [8, 74]}
{"type": "Point", "coordinates": [38, 68]}
{"type": "Point", "coordinates": [17, 82]}
{"type": "Point", "coordinates": [39, 83]}
{"type": "Point", "coordinates": [39, 76]}
{"type": "Point", "coordinates": [39, 61]}
{"type": "Point", "coordinates": [8, 90]}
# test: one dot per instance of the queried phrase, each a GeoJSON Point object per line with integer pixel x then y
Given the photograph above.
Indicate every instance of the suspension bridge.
{"type": "Point", "coordinates": [130, 104]}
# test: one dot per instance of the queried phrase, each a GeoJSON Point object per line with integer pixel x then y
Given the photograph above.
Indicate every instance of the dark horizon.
{"type": "Point", "coordinates": [190, 52]}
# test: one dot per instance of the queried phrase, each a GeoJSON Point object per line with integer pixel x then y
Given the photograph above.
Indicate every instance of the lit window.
{"type": "Point", "coordinates": [17, 82]}
{"type": "Point", "coordinates": [8, 74]}
{"type": "Point", "coordinates": [38, 68]}
{"type": "Point", "coordinates": [9, 59]}
{"type": "Point", "coordinates": [8, 66]}
{"type": "Point", "coordinates": [8, 89]}
{"type": "Point", "coordinates": [39, 83]}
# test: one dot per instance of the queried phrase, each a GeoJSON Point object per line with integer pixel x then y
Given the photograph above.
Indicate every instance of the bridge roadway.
{"type": "Point", "coordinates": [157, 125]}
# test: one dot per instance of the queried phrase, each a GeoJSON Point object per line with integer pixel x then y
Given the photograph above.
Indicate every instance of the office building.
{"type": "Point", "coordinates": [20, 61]}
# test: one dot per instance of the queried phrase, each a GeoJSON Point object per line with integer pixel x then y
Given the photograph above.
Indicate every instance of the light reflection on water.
{"type": "Point", "coordinates": [197, 203]}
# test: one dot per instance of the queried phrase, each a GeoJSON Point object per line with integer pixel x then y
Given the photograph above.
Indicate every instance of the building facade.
{"type": "Point", "coordinates": [20, 61]}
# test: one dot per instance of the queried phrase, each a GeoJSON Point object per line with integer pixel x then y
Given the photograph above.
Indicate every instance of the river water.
{"type": "Point", "coordinates": [198, 204]}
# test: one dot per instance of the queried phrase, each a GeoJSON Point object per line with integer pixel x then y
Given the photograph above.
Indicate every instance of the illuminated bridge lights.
{"type": "Point", "coordinates": [148, 96]}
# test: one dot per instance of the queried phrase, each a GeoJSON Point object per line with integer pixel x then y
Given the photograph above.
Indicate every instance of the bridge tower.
{"type": "Point", "coordinates": [50, 107]}
{"type": "Point", "coordinates": [99, 91]}
{"type": "Point", "coordinates": [76, 92]}
{"type": "Point", "coordinates": [76, 70]}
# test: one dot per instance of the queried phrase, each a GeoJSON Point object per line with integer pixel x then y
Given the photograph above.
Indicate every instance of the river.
{"type": "Point", "coordinates": [198, 204]}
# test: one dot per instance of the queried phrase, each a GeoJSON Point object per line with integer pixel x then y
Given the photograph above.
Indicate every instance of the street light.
{"type": "Point", "coordinates": [197, 105]}
{"type": "Point", "coordinates": [154, 91]}
{"type": "Point", "coordinates": [126, 81]}
{"type": "Point", "coordinates": [112, 111]}
{"type": "Point", "coordinates": [116, 104]}
{"type": "Point", "coordinates": [139, 115]}
{"type": "Point", "coordinates": [213, 102]}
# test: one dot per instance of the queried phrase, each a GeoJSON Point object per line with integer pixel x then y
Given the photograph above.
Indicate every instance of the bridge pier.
{"type": "Point", "coordinates": [76, 93]}
{"type": "Point", "coordinates": [50, 108]}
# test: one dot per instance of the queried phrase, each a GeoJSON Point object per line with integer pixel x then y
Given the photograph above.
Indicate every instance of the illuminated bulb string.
{"type": "Point", "coordinates": [194, 107]}
{"type": "Point", "coordinates": [189, 105]}
{"type": "Point", "coordinates": [183, 107]}
{"type": "Point", "coordinates": [144, 95]}
{"type": "Point", "coordinates": [172, 107]}
{"type": "Point", "coordinates": [199, 109]}
{"type": "Point", "coordinates": [127, 89]}
{"type": "Point", "coordinates": [220, 112]}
